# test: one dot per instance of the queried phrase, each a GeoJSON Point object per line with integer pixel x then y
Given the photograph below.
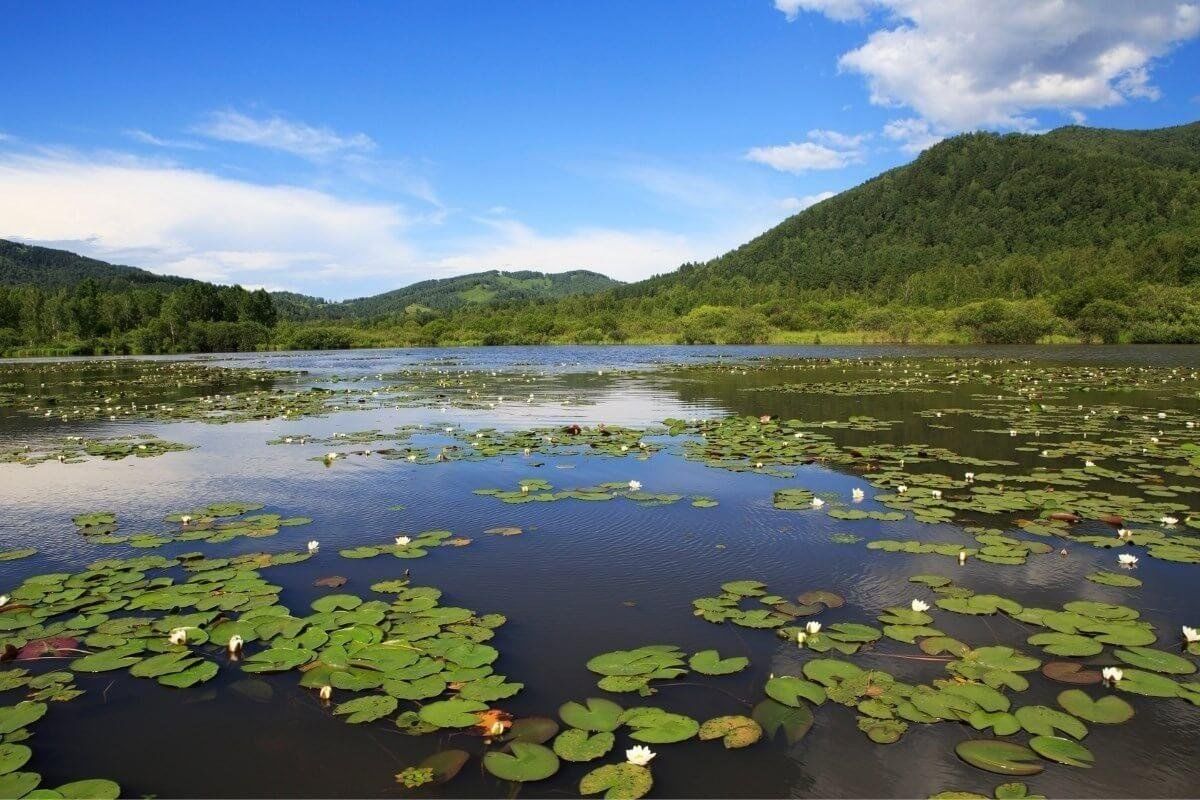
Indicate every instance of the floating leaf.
{"type": "Point", "coordinates": [526, 762]}
{"type": "Point", "coordinates": [1003, 758]}
{"type": "Point", "coordinates": [1064, 751]}
{"type": "Point", "coordinates": [574, 744]}
{"type": "Point", "coordinates": [598, 715]}
{"type": "Point", "coordinates": [623, 781]}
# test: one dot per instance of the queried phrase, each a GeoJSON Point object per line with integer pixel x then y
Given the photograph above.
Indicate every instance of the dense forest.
{"type": "Point", "coordinates": [57, 303]}
{"type": "Point", "coordinates": [1074, 235]}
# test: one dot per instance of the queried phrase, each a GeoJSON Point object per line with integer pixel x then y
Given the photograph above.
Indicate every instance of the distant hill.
{"type": "Point", "coordinates": [448, 294]}
{"type": "Point", "coordinates": [46, 268]}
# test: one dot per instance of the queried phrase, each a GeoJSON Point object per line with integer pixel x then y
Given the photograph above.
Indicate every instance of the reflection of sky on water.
{"type": "Point", "coordinates": [582, 579]}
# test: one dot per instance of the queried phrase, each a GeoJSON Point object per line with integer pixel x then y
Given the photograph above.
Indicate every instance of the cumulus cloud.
{"type": "Point", "coordinates": [623, 254]}
{"type": "Point", "coordinates": [912, 134]}
{"type": "Point", "coordinates": [824, 150]}
{"type": "Point", "coordinates": [793, 205]}
{"type": "Point", "coordinates": [278, 133]}
{"type": "Point", "coordinates": [967, 63]}
{"type": "Point", "coordinates": [188, 222]}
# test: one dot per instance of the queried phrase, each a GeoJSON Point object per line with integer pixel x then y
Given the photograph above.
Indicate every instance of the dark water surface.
{"type": "Point", "coordinates": [584, 578]}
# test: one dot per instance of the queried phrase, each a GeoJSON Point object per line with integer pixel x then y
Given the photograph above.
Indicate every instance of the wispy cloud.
{"type": "Point", "coordinates": [824, 150]}
{"type": "Point", "coordinates": [279, 133]}
{"type": "Point", "coordinates": [145, 137]}
{"type": "Point", "coordinates": [623, 254]}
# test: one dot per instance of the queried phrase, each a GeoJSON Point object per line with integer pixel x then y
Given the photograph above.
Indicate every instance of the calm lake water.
{"type": "Point", "coordinates": [584, 578]}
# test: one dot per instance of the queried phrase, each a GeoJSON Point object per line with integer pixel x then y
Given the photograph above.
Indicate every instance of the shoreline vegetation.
{"type": "Point", "coordinates": [1076, 235]}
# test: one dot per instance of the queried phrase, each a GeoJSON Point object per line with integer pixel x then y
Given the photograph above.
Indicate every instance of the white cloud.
{"type": "Point", "coordinates": [627, 255]}
{"type": "Point", "coordinates": [825, 150]}
{"type": "Point", "coordinates": [841, 10]}
{"type": "Point", "coordinates": [967, 63]}
{"type": "Point", "coordinates": [793, 205]}
{"type": "Point", "coordinates": [188, 222]}
{"type": "Point", "coordinates": [145, 137]}
{"type": "Point", "coordinates": [278, 133]}
{"type": "Point", "coordinates": [913, 134]}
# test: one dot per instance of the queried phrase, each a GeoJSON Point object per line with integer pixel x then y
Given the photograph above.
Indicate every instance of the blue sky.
{"type": "Point", "coordinates": [349, 148]}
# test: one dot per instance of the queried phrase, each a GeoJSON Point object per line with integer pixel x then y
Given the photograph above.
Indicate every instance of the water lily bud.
{"type": "Point", "coordinates": [326, 692]}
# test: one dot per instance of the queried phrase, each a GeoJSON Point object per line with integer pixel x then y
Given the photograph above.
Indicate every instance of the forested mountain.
{"type": "Point", "coordinates": [56, 302]}
{"type": "Point", "coordinates": [46, 268]}
{"type": "Point", "coordinates": [446, 294]}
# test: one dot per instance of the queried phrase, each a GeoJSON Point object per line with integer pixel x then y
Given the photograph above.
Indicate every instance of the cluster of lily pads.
{"type": "Point", "coordinates": [976, 691]}
{"type": "Point", "coordinates": [537, 490]}
{"type": "Point", "coordinates": [215, 523]}
{"type": "Point", "coordinates": [77, 450]}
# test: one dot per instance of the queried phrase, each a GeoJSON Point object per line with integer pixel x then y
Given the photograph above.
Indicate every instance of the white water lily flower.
{"type": "Point", "coordinates": [331, 456]}
{"type": "Point", "coordinates": [758, 465]}
{"type": "Point", "coordinates": [919, 605]}
{"type": "Point", "coordinates": [1169, 520]}
{"type": "Point", "coordinates": [962, 556]}
{"type": "Point", "coordinates": [936, 493]}
{"type": "Point", "coordinates": [313, 546]}
{"type": "Point", "coordinates": [817, 502]}
{"type": "Point", "coordinates": [639, 755]}
{"type": "Point", "coordinates": [326, 692]}
{"type": "Point", "coordinates": [4, 600]}
{"type": "Point", "coordinates": [1124, 534]}
{"type": "Point", "coordinates": [1087, 464]}
{"type": "Point", "coordinates": [969, 477]}
{"type": "Point", "coordinates": [901, 489]}
{"type": "Point", "coordinates": [1127, 560]}
{"type": "Point", "coordinates": [1112, 674]}
{"type": "Point", "coordinates": [858, 495]}
{"type": "Point", "coordinates": [185, 519]}
{"type": "Point", "coordinates": [812, 628]}
{"type": "Point", "coordinates": [1190, 634]}
{"type": "Point", "coordinates": [1162, 415]}
{"type": "Point", "coordinates": [235, 644]}
{"type": "Point", "coordinates": [177, 636]}
{"type": "Point", "coordinates": [635, 486]}
{"type": "Point", "coordinates": [497, 729]}
{"type": "Point", "coordinates": [412, 457]}
{"type": "Point", "coordinates": [402, 541]}
{"type": "Point", "coordinates": [800, 637]}
{"type": "Point", "coordinates": [624, 448]}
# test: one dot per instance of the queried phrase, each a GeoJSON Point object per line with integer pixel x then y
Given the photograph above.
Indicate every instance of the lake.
{"type": "Point", "coordinates": [732, 467]}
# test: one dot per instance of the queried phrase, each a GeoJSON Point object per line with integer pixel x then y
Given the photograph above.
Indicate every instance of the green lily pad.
{"type": "Point", "coordinates": [526, 762]}
{"type": "Point", "coordinates": [1109, 710]}
{"type": "Point", "coordinates": [1064, 751]}
{"type": "Point", "coordinates": [735, 731]}
{"type": "Point", "coordinates": [598, 715]}
{"type": "Point", "coordinates": [709, 662]}
{"type": "Point", "coordinates": [1000, 757]}
{"type": "Point", "coordinates": [574, 744]}
{"type": "Point", "coordinates": [623, 781]}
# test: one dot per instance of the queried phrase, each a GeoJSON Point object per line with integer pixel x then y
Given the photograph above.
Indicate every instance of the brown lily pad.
{"type": "Point", "coordinates": [331, 581]}
{"type": "Point", "coordinates": [1070, 672]}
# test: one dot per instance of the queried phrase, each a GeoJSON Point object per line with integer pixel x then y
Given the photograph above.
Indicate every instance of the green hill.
{"type": "Point", "coordinates": [447, 294]}
{"type": "Point", "coordinates": [29, 265]}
